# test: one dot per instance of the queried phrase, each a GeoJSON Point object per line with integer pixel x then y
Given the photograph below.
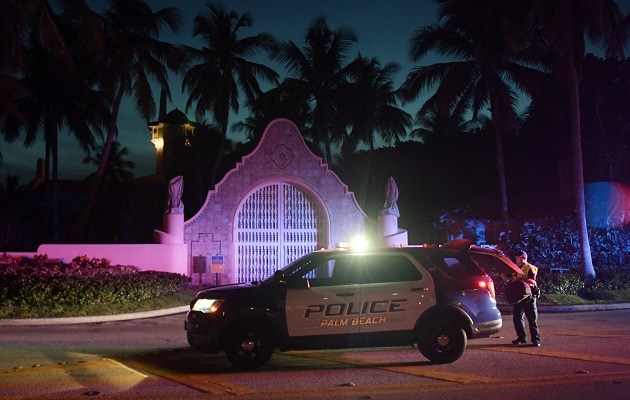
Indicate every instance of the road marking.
{"type": "Point", "coordinates": [219, 385]}
{"type": "Point", "coordinates": [536, 351]}
{"type": "Point", "coordinates": [54, 368]}
{"type": "Point", "coordinates": [203, 382]}
{"type": "Point", "coordinates": [593, 334]}
{"type": "Point", "coordinates": [412, 369]}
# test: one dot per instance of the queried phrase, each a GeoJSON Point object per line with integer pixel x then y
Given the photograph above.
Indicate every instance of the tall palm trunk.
{"type": "Point", "coordinates": [498, 151]}
{"type": "Point", "coordinates": [224, 120]}
{"type": "Point", "coordinates": [586, 260]}
{"type": "Point", "coordinates": [55, 183]}
{"type": "Point", "coordinates": [51, 179]}
{"type": "Point", "coordinates": [100, 174]}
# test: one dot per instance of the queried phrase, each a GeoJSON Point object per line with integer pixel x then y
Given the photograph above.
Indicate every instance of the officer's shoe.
{"type": "Point", "coordinates": [519, 341]}
{"type": "Point", "coordinates": [536, 344]}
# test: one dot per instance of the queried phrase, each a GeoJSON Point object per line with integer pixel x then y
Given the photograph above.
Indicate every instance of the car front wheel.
{"type": "Point", "coordinates": [442, 342]}
{"type": "Point", "coordinates": [248, 347]}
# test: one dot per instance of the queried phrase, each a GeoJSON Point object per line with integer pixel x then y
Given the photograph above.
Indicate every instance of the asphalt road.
{"type": "Point", "coordinates": [584, 356]}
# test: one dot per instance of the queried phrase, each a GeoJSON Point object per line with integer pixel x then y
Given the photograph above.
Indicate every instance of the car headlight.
{"type": "Point", "coordinates": [206, 305]}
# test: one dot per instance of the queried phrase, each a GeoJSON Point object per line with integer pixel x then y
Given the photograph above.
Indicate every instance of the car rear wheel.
{"type": "Point", "coordinates": [248, 347]}
{"type": "Point", "coordinates": [442, 342]}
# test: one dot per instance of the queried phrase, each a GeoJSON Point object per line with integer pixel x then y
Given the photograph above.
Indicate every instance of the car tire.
{"type": "Point", "coordinates": [442, 342]}
{"type": "Point", "coordinates": [248, 347]}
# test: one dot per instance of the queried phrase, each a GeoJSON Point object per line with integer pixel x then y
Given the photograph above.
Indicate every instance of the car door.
{"type": "Point", "coordinates": [395, 291]}
{"type": "Point", "coordinates": [320, 297]}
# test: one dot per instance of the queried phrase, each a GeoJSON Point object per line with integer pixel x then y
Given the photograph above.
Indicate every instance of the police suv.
{"type": "Point", "coordinates": [436, 297]}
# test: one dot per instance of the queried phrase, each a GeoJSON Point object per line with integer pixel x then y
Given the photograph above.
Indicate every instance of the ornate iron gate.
{"type": "Point", "coordinates": [276, 224]}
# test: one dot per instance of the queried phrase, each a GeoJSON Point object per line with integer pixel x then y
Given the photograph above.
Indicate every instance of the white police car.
{"type": "Point", "coordinates": [435, 297]}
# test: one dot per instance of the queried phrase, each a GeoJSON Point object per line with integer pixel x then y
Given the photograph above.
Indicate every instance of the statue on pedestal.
{"type": "Point", "coordinates": [174, 203]}
{"type": "Point", "coordinates": [391, 196]}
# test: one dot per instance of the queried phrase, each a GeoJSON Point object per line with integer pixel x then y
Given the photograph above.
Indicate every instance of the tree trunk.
{"type": "Point", "coordinates": [586, 261]}
{"type": "Point", "coordinates": [225, 118]}
{"type": "Point", "coordinates": [498, 154]}
{"type": "Point", "coordinates": [55, 183]}
{"type": "Point", "coordinates": [498, 150]}
{"type": "Point", "coordinates": [79, 226]}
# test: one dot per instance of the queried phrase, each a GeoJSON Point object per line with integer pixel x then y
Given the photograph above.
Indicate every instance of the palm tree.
{"type": "Point", "coordinates": [373, 103]}
{"type": "Point", "coordinates": [132, 58]}
{"type": "Point", "coordinates": [318, 69]}
{"type": "Point", "coordinates": [437, 123]}
{"type": "Point", "coordinates": [31, 25]}
{"type": "Point", "coordinates": [56, 94]}
{"type": "Point", "coordinates": [19, 18]}
{"type": "Point", "coordinates": [224, 71]}
{"type": "Point", "coordinates": [278, 102]}
{"type": "Point", "coordinates": [59, 100]}
{"type": "Point", "coordinates": [484, 75]}
{"type": "Point", "coordinates": [117, 170]}
{"type": "Point", "coordinates": [564, 26]}
{"type": "Point", "coordinates": [197, 156]}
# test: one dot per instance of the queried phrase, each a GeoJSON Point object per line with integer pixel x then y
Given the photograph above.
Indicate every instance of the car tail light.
{"type": "Point", "coordinates": [488, 285]}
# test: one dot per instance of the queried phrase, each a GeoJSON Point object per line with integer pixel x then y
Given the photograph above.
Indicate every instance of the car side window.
{"type": "Point", "coordinates": [350, 269]}
{"type": "Point", "coordinates": [388, 268]}
{"type": "Point", "coordinates": [333, 271]}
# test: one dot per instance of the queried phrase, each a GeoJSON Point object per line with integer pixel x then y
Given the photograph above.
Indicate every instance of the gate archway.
{"type": "Point", "coordinates": [276, 224]}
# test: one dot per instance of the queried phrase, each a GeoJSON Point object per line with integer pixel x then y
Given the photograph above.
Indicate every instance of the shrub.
{"type": "Point", "coordinates": [42, 282]}
{"type": "Point", "coordinates": [562, 283]}
{"type": "Point", "coordinates": [554, 242]}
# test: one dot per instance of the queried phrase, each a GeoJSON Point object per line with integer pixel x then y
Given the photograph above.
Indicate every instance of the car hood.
{"type": "Point", "coordinates": [225, 289]}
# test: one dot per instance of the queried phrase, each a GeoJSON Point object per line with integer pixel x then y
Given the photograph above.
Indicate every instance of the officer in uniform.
{"type": "Point", "coordinates": [519, 294]}
{"type": "Point", "coordinates": [529, 271]}
{"type": "Point", "coordinates": [523, 304]}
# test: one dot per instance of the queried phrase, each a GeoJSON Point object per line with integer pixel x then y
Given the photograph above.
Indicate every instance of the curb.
{"type": "Point", "coordinates": [573, 308]}
{"type": "Point", "coordinates": [94, 319]}
{"type": "Point", "coordinates": [184, 309]}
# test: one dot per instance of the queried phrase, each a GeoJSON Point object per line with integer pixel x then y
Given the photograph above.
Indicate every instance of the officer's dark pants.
{"type": "Point", "coordinates": [527, 309]}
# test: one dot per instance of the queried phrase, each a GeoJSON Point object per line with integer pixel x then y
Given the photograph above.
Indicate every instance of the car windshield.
{"type": "Point", "coordinates": [292, 268]}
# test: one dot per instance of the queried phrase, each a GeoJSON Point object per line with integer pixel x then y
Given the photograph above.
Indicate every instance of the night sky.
{"type": "Point", "coordinates": [383, 29]}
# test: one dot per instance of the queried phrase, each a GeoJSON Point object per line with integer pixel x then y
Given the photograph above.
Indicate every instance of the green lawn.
{"type": "Point", "coordinates": [184, 296]}
{"type": "Point", "coordinates": [177, 299]}
{"type": "Point", "coordinates": [617, 296]}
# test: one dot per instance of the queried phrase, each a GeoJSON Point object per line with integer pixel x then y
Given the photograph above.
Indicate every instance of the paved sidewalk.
{"type": "Point", "coordinates": [94, 319]}
{"type": "Point", "coordinates": [574, 308]}
{"type": "Point", "coordinates": [184, 309]}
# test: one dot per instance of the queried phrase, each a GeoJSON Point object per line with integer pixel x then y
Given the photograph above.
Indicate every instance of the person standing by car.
{"type": "Point", "coordinates": [518, 293]}
{"type": "Point", "coordinates": [530, 275]}
{"type": "Point", "coordinates": [530, 271]}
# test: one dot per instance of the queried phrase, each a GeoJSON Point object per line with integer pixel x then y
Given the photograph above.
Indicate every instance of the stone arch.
{"type": "Point", "coordinates": [276, 223]}
{"type": "Point", "coordinates": [281, 156]}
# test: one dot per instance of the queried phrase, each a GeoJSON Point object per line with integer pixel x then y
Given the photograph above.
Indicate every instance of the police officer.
{"type": "Point", "coordinates": [518, 292]}
{"type": "Point", "coordinates": [530, 271]}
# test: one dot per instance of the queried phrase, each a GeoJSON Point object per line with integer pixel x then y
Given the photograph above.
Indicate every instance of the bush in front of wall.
{"type": "Point", "coordinates": [39, 281]}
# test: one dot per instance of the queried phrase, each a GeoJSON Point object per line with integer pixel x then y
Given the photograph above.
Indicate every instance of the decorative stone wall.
{"type": "Point", "coordinates": [281, 156]}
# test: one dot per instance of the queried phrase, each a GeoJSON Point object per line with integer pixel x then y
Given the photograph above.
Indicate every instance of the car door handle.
{"type": "Point", "coordinates": [345, 294]}
{"type": "Point", "coordinates": [420, 289]}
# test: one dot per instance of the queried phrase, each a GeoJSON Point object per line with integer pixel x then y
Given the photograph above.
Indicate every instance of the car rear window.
{"type": "Point", "coordinates": [453, 265]}
{"type": "Point", "coordinates": [490, 264]}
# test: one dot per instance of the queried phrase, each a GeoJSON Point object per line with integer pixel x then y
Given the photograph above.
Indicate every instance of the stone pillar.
{"type": "Point", "coordinates": [388, 218]}
{"type": "Point", "coordinates": [389, 231]}
{"type": "Point", "coordinates": [173, 233]}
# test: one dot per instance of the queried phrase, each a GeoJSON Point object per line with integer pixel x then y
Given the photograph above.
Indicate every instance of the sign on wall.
{"type": "Point", "coordinates": [217, 265]}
